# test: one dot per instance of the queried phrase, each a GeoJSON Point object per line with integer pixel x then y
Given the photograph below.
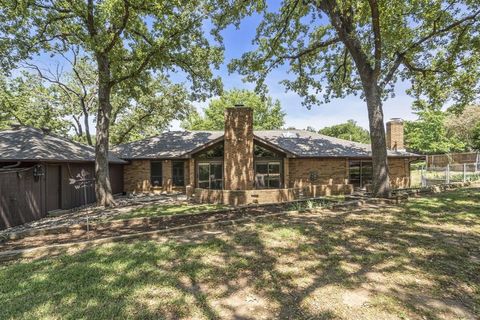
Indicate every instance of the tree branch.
{"type": "Point", "coordinates": [120, 29]}
{"type": "Point", "coordinates": [312, 48]}
{"type": "Point", "coordinates": [436, 32]}
{"type": "Point", "coordinates": [377, 37]}
{"type": "Point", "coordinates": [400, 57]}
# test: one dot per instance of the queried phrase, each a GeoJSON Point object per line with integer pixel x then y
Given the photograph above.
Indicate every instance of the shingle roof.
{"type": "Point", "coordinates": [303, 143]}
{"type": "Point", "coordinates": [298, 143]}
{"type": "Point", "coordinates": [171, 144]}
{"type": "Point", "coordinates": [28, 143]}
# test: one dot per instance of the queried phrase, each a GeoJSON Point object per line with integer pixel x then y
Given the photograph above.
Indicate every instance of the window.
{"type": "Point", "coordinates": [360, 173]}
{"type": "Point", "coordinates": [262, 152]}
{"type": "Point", "coordinates": [156, 173]}
{"type": "Point", "coordinates": [210, 175]}
{"type": "Point", "coordinates": [267, 174]}
{"type": "Point", "coordinates": [212, 153]}
{"type": "Point", "coordinates": [178, 173]}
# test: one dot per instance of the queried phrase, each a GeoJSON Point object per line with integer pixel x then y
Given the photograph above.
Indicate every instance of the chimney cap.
{"type": "Point", "coordinates": [396, 120]}
{"type": "Point", "coordinates": [46, 130]}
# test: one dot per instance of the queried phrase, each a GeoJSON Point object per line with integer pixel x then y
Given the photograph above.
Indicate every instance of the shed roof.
{"type": "Point", "coordinates": [27, 143]}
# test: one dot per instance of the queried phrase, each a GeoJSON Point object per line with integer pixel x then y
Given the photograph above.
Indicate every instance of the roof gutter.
{"type": "Point", "coordinates": [12, 165]}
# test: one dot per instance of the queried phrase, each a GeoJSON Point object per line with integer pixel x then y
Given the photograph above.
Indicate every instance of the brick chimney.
{"type": "Point", "coordinates": [238, 148]}
{"type": "Point", "coordinates": [395, 134]}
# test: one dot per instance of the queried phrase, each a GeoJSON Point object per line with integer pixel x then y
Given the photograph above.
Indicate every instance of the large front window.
{"type": "Point", "coordinates": [360, 173]}
{"type": "Point", "coordinates": [178, 173]}
{"type": "Point", "coordinates": [267, 174]}
{"type": "Point", "coordinates": [156, 173]}
{"type": "Point", "coordinates": [210, 175]}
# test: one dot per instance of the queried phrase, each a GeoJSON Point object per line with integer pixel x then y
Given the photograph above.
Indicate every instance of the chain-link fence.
{"type": "Point", "coordinates": [451, 173]}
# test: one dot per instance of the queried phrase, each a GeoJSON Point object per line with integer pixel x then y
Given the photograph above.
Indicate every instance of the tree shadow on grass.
{"type": "Point", "coordinates": [294, 267]}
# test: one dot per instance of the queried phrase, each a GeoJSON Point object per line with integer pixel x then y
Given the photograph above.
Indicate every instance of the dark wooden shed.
{"type": "Point", "coordinates": [39, 173]}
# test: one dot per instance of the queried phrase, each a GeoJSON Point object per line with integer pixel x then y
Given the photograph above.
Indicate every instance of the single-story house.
{"type": "Point", "coordinates": [241, 165]}
{"type": "Point", "coordinates": [40, 173]}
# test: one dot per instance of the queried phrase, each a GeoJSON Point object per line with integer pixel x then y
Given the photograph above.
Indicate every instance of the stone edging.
{"type": "Point", "coordinates": [134, 221]}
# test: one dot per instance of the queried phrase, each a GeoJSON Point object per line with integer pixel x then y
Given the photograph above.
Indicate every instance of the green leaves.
{"type": "Point", "coordinates": [25, 100]}
{"type": "Point", "coordinates": [267, 113]}
{"type": "Point", "coordinates": [148, 110]}
{"type": "Point", "coordinates": [431, 43]}
{"type": "Point", "coordinates": [429, 135]}
{"type": "Point", "coordinates": [348, 131]}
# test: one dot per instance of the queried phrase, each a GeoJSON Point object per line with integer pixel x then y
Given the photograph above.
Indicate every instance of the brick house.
{"type": "Point", "coordinates": [240, 165]}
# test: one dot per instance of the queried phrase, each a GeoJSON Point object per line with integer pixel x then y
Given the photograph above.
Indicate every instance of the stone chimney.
{"type": "Point", "coordinates": [238, 148]}
{"type": "Point", "coordinates": [395, 134]}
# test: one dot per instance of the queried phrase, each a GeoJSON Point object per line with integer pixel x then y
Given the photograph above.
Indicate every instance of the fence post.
{"type": "Point", "coordinates": [464, 172]}
{"type": "Point", "coordinates": [447, 174]}
{"type": "Point", "coordinates": [422, 178]}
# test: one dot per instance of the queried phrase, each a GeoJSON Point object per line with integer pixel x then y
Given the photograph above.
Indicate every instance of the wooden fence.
{"type": "Point", "coordinates": [442, 160]}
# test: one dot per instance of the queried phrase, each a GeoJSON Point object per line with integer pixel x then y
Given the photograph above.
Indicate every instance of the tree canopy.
{"type": "Point", "coordinates": [349, 130]}
{"type": "Point", "coordinates": [336, 48]}
{"type": "Point", "coordinates": [126, 39]}
{"type": "Point", "coordinates": [465, 126]}
{"type": "Point", "coordinates": [267, 113]}
{"type": "Point", "coordinates": [428, 134]}
{"type": "Point", "coordinates": [25, 100]}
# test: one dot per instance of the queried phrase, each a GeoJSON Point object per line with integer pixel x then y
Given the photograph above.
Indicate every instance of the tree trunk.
{"type": "Point", "coordinates": [381, 181]}
{"type": "Point", "coordinates": [85, 121]}
{"type": "Point", "coordinates": [103, 188]}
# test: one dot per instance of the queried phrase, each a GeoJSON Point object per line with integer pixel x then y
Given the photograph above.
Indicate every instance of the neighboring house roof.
{"type": "Point", "coordinates": [171, 144]}
{"type": "Point", "coordinates": [297, 143]}
{"type": "Point", "coordinates": [26, 143]}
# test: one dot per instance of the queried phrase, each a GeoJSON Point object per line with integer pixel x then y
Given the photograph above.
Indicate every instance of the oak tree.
{"type": "Point", "coordinates": [339, 47]}
{"type": "Point", "coordinates": [126, 38]}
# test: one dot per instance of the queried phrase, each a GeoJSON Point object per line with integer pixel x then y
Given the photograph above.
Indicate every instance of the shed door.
{"type": "Point", "coordinates": [53, 187]}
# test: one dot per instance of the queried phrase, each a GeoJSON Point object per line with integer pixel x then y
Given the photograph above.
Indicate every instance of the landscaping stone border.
{"type": "Point", "coordinates": [145, 220]}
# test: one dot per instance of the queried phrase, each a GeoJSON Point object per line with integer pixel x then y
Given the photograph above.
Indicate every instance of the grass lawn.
{"type": "Point", "coordinates": [156, 210]}
{"type": "Point", "coordinates": [417, 261]}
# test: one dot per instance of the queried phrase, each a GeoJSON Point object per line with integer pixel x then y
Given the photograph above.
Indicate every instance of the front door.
{"type": "Point", "coordinates": [53, 187]}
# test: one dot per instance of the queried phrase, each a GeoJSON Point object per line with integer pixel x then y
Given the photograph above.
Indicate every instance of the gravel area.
{"type": "Point", "coordinates": [95, 213]}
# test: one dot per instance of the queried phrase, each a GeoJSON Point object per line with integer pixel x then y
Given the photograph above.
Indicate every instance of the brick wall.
{"type": "Point", "coordinates": [335, 172]}
{"type": "Point", "coordinates": [395, 139]}
{"type": "Point", "coordinates": [240, 197]}
{"type": "Point", "coordinates": [399, 171]}
{"type": "Point", "coordinates": [136, 176]}
{"type": "Point", "coordinates": [238, 149]}
{"type": "Point", "coordinates": [325, 172]}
